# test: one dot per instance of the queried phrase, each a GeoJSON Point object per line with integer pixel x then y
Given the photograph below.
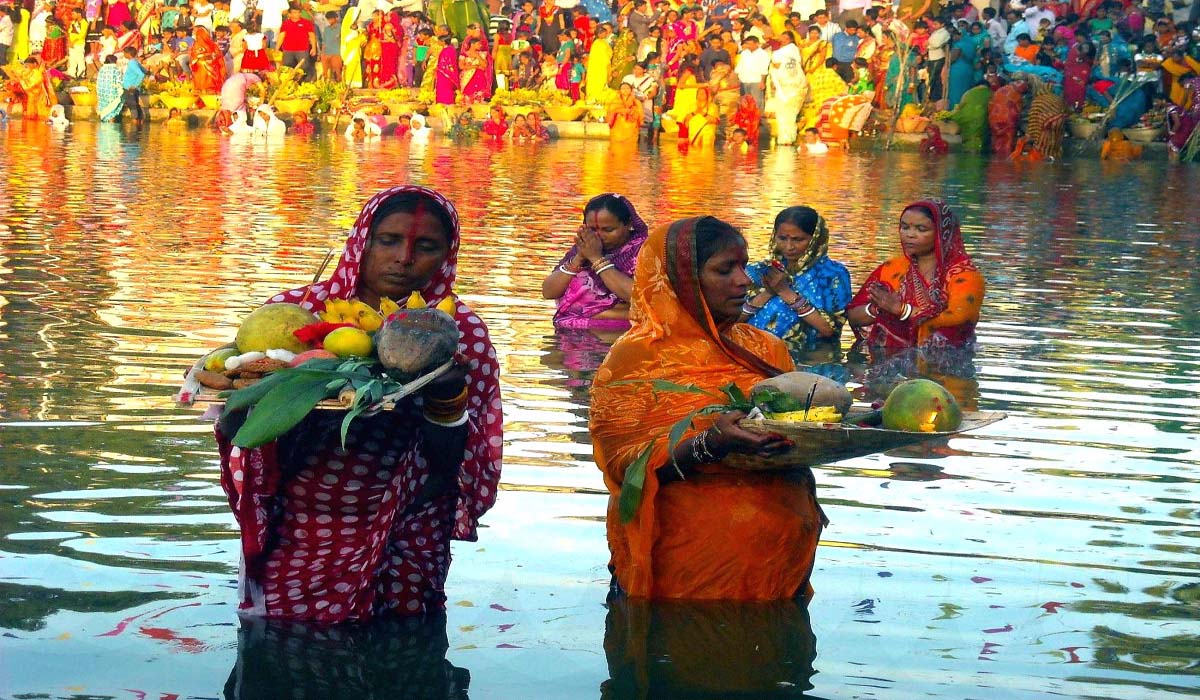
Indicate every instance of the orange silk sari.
{"type": "Point", "coordinates": [722, 533]}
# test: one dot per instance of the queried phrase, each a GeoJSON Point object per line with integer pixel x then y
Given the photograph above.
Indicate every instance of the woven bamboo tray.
{"type": "Point", "coordinates": [192, 392]}
{"type": "Point", "coordinates": [823, 443]}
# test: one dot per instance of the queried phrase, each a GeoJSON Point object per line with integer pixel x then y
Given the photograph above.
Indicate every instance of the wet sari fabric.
{"type": "Point", "coordinates": [722, 533]}
{"type": "Point", "coordinates": [332, 534]}
{"type": "Point", "coordinates": [945, 307]}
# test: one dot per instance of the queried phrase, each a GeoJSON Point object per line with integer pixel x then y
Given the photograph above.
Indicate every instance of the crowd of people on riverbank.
{"type": "Point", "coordinates": [743, 71]}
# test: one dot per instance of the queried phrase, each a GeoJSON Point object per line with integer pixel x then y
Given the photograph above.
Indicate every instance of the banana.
{"type": "Point", "coordinates": [363, 316]}
{"type": "Point", "coordinates": [387, 307]}
{"type": "Point", "coordinates": [415, 301]}
{"type": "Point", "coordinates": [816, 414]}
{"type": "Point", "coordinates": [337, 311]}
{"type": "Point", "coordinates": [448, 305]}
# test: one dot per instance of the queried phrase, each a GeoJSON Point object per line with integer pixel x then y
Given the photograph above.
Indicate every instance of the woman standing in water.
{"type": "Point", "coordinates": [692, 526]}
{"type": "Point", "coordinates": [802, 292]}
{"type": "Point", "coordinates": [594, 281]}
{"type": "Point", "coordinates": [930, 295]}
{"type": "Point", "coordinates": [332, 534]}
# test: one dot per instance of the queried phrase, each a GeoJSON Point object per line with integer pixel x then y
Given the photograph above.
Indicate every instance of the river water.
{"type": "Point", "coordinates": [1053, 554]}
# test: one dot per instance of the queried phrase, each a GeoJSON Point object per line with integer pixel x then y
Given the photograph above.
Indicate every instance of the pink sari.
{"type": "Point", "coordinates": [477, 82]}
{"type": "Point", "coordinates": [586, 295]}
{"type": "Point", "coordinates": [445, 83]}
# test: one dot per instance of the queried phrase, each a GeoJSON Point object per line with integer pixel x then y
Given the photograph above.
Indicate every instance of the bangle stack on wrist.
{"type": "Point", "coordinates": [800, 305]}
{"type": "Point", "coordinates": [701, 454]}
{"type": "Point", "coordinates": [908, 309]}
{"type": "Point", "coordinates": [448, 413]}
{"type": "Point", "coordinates": [602, 265]}
{"type": "Point", "coordinates": [567, 271]}
{"type": "Point", "coordinates": [870, 311]}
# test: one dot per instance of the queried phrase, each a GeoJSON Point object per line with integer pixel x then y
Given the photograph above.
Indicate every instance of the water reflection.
{"type": "Point", "coordinates": [708, 650]}
{"type": "Point", "coordinates": [385, 659]}
{"type": "Point", "coordinates": [121, 261]}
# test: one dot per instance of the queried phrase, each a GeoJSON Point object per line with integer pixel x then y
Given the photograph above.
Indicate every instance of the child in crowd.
{"type": "Point", "coordinates": [813, 145]}
{"type": "Point", "coordinates": [577, 74]}
{"type": "Point", "coordinates": [496, 125]}
{"type": "Point", "coordinates": [520, 129]}
{"type": "Point", "coordinates": [301, 126]}
{"type": "Point", "coordinates": [403, 126]}
{"type": "Point", "coordinates": [864, 80]}
{"type": "Point", "coordinates": [737, 141]}
{"type": "Point", "coordinates": [1026, 50]}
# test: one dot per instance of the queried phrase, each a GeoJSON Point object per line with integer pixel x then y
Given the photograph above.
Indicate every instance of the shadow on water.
{"type": "Point", "coordinates": [708, 650]}
{"type": "Point", "coordinates": [382, 660]}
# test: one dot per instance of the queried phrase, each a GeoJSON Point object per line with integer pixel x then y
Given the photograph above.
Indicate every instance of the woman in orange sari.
{"type": "Point", "coordinates": [930, 295]}
{"type": "Point", "coordinates": [33, 81]}
{"type": "Point", "coordinates": [682, 523]}
{"type": "Point", "coordinates": [208, 63]}
{"type": "Point", "coordinates": [624, 115]}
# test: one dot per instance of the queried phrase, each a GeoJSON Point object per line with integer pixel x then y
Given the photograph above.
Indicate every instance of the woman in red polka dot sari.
{"type": "Point", "coordinates": [332, 534]}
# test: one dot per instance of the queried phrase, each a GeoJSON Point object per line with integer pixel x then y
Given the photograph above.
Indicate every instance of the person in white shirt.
{"type": "Point", "coordinates": [272, 17]}
{"type": "Point", "coordinates": [996, 28]}
{"type": "Point", "coordinates": [813, 145]}
{"type": "Point", "coordinates": [828, 29]}
{"type": "Point", "coordinates": [939, 42]}
{"type": "Point", "coordinates": [752, 66]}
{"type": "Point", "coordinates": [202, 14]}
{"type": "Point", "coordinates": [6, 35]}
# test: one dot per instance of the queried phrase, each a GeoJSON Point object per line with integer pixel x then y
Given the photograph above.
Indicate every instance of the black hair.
{"type": "Point", "coordinates": [617, 206]}
{"type": "Point", "coordinates": [713, 236]}
{"type": "Point", "coordinates": [803, 218]}
{"type": "Point", "coordinates": [111, 58]}
{"type": "Point", "coordinates": [851, 24]}
{"type": "Point", "coordinates": [411, 203]}
{"type": "Point", "coordinates": [922, 210]}
{"type": "Point", "coordinates": [830, 62]}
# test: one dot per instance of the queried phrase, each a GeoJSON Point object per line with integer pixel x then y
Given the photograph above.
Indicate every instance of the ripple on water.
{"type": "Point", "coordinates": [1052, 553]}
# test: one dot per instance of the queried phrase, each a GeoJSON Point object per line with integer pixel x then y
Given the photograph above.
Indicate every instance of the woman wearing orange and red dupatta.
{"type": "Point", "coordinates": [930, 295]}
{"type": "Point", "coordinates": [208, 63]}
{"type": "Point", "coordinates": [701, 530]}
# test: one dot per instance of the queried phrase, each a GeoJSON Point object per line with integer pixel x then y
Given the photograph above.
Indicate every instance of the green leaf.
{"type": "Point", "coordinates": [676, 435]}
{"type": "Point", "coordinates": [737, 397]}
{"type": "Point", "coordinates": [670, 387]}
{"type": "Point", "coordinates": [284, 406]}
{"type": "Point", "coordinates": [362, 401]}
{"type": "Point", "coordinates": [631, 487]}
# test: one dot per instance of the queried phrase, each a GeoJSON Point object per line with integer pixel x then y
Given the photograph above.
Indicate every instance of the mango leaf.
{"type": "Point", "coordinates": [362, 401]}
{"type": "Point", "coordinates": [244, 398]}
{"type": "Point", "coordinates": [676, 435]}
{"type": "Point", "coordinates": [737, 397]}
{"type": "Point", "coordinates": [284, 406]}
{"type": "Point", "coordinates": [662, 385]}
{"type": "Point", "coordinates": [631, 487]}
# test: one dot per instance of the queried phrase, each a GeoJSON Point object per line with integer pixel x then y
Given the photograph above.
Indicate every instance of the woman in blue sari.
{"type": "Point", "coordinates": [801, 293]}
{"type": "Point", "coordinates": [964, 53]}
{"type": "Point", "coordinates": [108, 90]}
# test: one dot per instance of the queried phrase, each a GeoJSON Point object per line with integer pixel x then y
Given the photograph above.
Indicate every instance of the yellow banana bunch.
{"type": "Point", "coordinates": [816, 414]}
{"type": "Point", "coordinates": [415, 301]}
{"type": "Point", "coordinates": [337, 311]}
{"type": "Point", "coordinates": [448, 305]}
{"type": "Point", "coordinates": [364, 316]}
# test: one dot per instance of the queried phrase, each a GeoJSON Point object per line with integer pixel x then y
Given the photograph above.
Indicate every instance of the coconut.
{"type": "Point", "coordinates": [790, 390]}
{"type": "Point", "coordinates": [921, 405]}
{"type": "Point", "coordinates": [414, 341]}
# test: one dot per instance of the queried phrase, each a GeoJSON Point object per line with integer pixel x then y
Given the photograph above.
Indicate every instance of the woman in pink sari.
{"type": "Point", "coordinates": [475, 71]}
{"type": "Point", "coordinates": [445, 82]}
{"type": "Point", "coordinates": [594, 280]}
{"type": "Point", "coordinates": [677, 33]}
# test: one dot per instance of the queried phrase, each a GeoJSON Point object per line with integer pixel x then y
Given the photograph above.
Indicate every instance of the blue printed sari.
{"type": "Point", "coordinates": [823, 282]}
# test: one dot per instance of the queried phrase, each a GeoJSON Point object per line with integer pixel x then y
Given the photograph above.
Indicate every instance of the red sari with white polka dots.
{"type": "Point", "coordinates": [332, 534]}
